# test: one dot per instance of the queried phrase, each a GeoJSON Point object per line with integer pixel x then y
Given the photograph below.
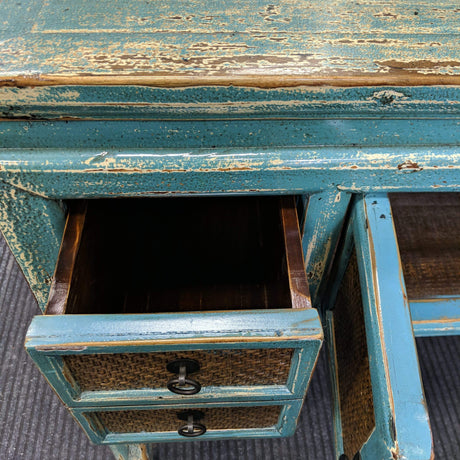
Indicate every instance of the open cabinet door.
{"type": "Point", "coordinates": [379, 404]}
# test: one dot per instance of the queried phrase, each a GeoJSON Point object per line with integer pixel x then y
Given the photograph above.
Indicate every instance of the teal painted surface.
{"type": "Point", "coordinates": [51, 337]}
{"type": "Point", "coordinates": [82, 330]}
{"type": "Point", "coordinates": [162, 396]}
{"type": "Point", "coordinates": [285, 426]}
{"type": "Point", "coordinates": [433, 317]}
{"type": "Point", "coordinates": [33, 228]}
{"type": "Point", "coordinates": [226, 135]}
{"type": "Point", "coordinates": [132, 451]}
{"type": "Point", "coordinates": [329, 333]}
{"type": "Point", "coordinates": [97, 173]}
{"type": "Point", "coordinates": [73, 38]}
{"type": "Point", "coordinates": [402, 424]}
{"type": "Point", "coordinates": [189, 77]}
{"type": "Point", "coordinates": [401, 419]}
{"type": "Point", "coordinates": [224, 103]}
{"type": "Point", "coordinates": [323, 222]}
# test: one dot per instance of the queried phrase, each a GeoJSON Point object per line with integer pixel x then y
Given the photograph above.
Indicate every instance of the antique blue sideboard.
{"type": "Point", "coordinates": [199, 193]}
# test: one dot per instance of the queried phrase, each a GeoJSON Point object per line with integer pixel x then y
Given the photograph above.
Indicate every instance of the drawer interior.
{"type": "Point", "coordinates": [180, 254]}
{"type": "Point", "coordinates": [428, 232]}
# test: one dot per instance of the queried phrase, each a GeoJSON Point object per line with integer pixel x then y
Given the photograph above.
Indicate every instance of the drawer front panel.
{"type": "Point", "coordinates": [122, 360]}
{"type": "Point", "coordinates": [126, 371]}
{"type": "Point", "coordinates": [220, 418]}
{"type": "Point", "coordinates": [162, 423]}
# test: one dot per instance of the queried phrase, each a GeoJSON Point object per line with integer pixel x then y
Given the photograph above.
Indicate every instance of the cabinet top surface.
{"type": "Point", "coordinates": [249, 43]}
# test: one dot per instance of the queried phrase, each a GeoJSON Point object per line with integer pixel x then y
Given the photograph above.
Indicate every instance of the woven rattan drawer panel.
{"type": "Point", "coordinates": [126, 371]}
{"type": "Point", "coordinates": [219, 418]}
{"type": "Point", "coordinates": [165, 423]}
{"type": "Point", "coordinates": [353, 372]}
{"type": "Point", "coordinates": [427, 227]}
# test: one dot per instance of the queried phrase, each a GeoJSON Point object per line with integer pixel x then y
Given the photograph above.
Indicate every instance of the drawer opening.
{"type": "Point", "coordinates": [182, 254]}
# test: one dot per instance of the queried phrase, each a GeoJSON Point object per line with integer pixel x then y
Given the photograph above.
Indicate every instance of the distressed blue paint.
{"type": "Point", "coordinates": [104, 62]}
{"type": "Point", "coordinates": [307, 133]}
{"type": "Point", "coordinates": [51, 337]}
{"type": "Point", "coordinates": [333, 285]}
{"type": "Point", "coordinates": [285, 426]}
{"type": "Point", "coordinates": [162, 396]}
{"type": "Point", "coordinates": [329, 333]}
{"type": "Point", "coordinates": [401, 418]}
{"type": "Point", "coordinates": [323, 223]}
{"type": "Point", "coordinates": [33, 227]}
{"type": "Point", "coordinates": [400, 408]}
{"type": "Point", "coordinates": [302, 366]}
{"type": "Point", "coordinates": [71, 39]}
{"type": "Point", "coordinates": [77, 173]}
{"type": "Point", "coordinates": [132, 451]}
{"type": "Point", "coordinates": [440, 316]}
{"type": "Point", "coordinates": [142, 102]}
{"type": "Point", "coordinates": [282, 324]}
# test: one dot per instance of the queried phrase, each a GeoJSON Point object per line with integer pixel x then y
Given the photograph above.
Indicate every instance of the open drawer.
{"type": "Point", "coordinates": [109, 425]}
{"type": "Point", "coordinates": [178, 299]}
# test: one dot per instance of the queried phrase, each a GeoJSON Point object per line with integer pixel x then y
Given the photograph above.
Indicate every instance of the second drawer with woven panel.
{"type": "Point", "coordinates": [108, 425]}
{"type": "Point", "coordinates": [178, 300]}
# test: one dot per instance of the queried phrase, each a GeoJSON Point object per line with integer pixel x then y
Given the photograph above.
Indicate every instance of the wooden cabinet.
{"type": "Point", "coordinates": [147, 109]}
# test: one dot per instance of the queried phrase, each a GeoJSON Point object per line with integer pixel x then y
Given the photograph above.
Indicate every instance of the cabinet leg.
{"type": "Point", "coordinates": [133, 451]}
{"type": "Point", "coordinates": [323, 223]}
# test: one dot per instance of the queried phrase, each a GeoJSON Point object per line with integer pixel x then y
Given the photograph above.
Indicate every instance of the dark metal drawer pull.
{"type": "Point", "coordinates": [192, 428]}
{"type": "Point", "coordinates": [182, 384]}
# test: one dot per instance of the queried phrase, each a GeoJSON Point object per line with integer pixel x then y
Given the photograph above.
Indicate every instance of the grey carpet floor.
{"type": "Point", "coordinates": [35, 426]}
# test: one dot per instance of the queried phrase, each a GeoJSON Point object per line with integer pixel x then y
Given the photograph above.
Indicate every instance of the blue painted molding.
{"type": "Point", "coordinates": [223, 102]}
{"type": "Point", "coordinates": [439, 316]}
{"type": "Point", "coordinates": [324, 218]}
{"type": "Point", "coordinates": [75, 173]}
{"type": "Point", "coordinates": [138, 331]}
{"type": "Point", "coordinates": [401, 414]}
{"type": "Point", "coordinates": [237, 133]}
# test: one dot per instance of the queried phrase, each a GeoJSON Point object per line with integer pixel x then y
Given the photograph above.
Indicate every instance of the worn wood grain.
{"type": "Point", "coordinates": [189, 43]}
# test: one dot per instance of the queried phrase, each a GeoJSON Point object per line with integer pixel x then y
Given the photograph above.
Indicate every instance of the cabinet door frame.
{"type": "Point", "coordinates": [401, 418]}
